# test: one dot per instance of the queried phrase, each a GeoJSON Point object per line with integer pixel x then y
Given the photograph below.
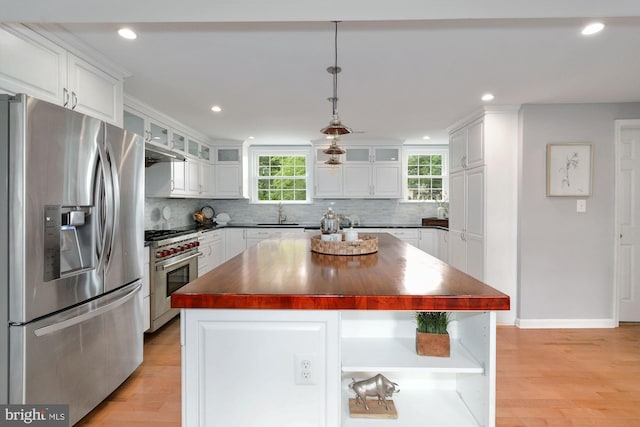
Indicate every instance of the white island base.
{"type": "Point", "coordinates": [277, 368]}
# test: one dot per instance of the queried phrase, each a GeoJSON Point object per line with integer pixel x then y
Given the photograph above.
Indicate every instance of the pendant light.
{"type": "Point", "coordinates": [335, 128]}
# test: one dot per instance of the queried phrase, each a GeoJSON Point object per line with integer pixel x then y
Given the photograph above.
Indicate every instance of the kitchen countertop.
{"type": "Point", "coordinates": [310, 226]}
{"type": "Point", "coordinates": [284, 274]}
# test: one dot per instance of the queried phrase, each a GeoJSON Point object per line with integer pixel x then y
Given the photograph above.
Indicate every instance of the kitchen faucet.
{"type": "Point", "coordinates": [281, 217]}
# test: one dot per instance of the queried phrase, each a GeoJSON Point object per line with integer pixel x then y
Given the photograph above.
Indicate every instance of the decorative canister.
{"type": "Point", "coordinates": [350, 235]}
{"type": "Point", "coordinates": [329, 224]}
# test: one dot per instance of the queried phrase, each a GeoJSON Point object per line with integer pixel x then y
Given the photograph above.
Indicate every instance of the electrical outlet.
{"type": "Point", "coordinates": [305, 367]}
{"type": "Point", "coordinates": [581, 206]}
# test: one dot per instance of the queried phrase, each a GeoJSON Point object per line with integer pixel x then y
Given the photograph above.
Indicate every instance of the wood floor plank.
{"type": "Point", "coordinates": [545, 377]}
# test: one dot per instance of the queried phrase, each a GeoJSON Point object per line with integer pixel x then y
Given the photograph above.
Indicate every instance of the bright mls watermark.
{"type": "Point", "coordinates": [34, 415]}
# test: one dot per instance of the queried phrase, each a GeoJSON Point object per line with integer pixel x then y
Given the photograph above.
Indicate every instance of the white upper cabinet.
{"type": "Point", "coordinates": [32, 64]}
{"type": "Point", "coordinates": [328, 181]}
{"type": "Point", "coordinates": [365, 172]}
{"type": "Point", "coordinates": [192, 178]}
{"type": "Point", "coordinates": [466, 147]}
{"type": "Point", "coordinates": [227, 183]}
{"type": "Point", "coordinates": [92, 91]}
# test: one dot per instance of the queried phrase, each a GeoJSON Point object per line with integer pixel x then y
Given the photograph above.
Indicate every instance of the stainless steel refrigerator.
{"type": "Point", "coordinates": [71, 208]}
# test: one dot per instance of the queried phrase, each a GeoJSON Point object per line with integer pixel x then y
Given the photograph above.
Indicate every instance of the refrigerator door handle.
{"type": "Point", "coordinates": [108, 306]}
{"type": "Point", "coordinates": [105, 197]}
{"type": "Point", "coordinates": [115, 200]}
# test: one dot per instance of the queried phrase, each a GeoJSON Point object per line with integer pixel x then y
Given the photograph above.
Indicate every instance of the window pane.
{"type": "Point", "coordinates": [282, 178]}
{"type": "Point", "coordinates": [425, 179]}
{"type": "Point", "coordinates": [287, 184]}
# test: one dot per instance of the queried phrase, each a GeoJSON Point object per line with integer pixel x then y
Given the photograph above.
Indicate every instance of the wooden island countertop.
{"type": "Point", "coordinates": [284, 274]}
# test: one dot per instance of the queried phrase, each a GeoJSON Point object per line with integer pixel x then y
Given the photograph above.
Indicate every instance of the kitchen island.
{"type": "Point", "coordinates": [274, 336]}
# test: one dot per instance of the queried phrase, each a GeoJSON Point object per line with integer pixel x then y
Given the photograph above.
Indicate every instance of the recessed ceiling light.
{"type": "Point", "coordinates": [252, 137]}
{"type": "Point", "coordinates": [426, 137]}
{"type": "Point", "coordinates": [487, 97]}
{"type": "Point", "coordinates": [127, 33]}
{"type": "Point", "coordinates": [216, 108]}
{"type": "Point", "coordinates": [593, 28]}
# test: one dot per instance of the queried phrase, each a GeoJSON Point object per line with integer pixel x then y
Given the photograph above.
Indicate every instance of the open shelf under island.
{"type": "Point", "coordinates": [274, 336]}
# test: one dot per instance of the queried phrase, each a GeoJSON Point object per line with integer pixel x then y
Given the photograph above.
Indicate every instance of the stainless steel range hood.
{"type": "Point", "coordinates": [154, 154]}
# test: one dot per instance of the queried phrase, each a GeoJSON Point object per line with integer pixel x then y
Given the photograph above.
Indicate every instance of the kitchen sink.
{"type": "Point", "coordinates": [275, 224]}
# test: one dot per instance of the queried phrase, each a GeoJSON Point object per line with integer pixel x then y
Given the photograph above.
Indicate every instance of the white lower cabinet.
{"type": "Point", "coordinates": [256, 235]}
{"type": "Point", "coordinates": [443, 245]}
{"type": "Point", "coordinates": [212, 249]}
{"type": "Point", "coordinates": [234, 242]}
{"type": "Point", "coordinates": [466, 221]}
{"type": "Point", "coordinates": [146, 292]}
{"type": "Point", "coordinates": [428, 241]}
{"type": "Point", "coordinates": [408, 235]}
{"type": "Point", "coordinates": [224, 374]}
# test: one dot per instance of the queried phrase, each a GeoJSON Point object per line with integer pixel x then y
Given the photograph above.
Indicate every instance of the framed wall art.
{"type": "Point", "coordinates": [569, 169]}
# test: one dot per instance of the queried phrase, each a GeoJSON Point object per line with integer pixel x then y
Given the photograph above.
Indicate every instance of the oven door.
{"type": "Point", "coordinates": [170, 276]}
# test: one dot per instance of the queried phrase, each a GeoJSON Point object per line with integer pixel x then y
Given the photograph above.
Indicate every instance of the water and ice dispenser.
{"type": "Point", "coordinates": [69, 241]}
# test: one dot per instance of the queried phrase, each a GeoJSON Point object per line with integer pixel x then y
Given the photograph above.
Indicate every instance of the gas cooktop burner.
{"type": "Point", "coordinates": [155, 235]}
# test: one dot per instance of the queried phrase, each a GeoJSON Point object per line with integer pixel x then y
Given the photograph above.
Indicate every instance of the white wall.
{"type": "Point", "coordinates": [565, 273]}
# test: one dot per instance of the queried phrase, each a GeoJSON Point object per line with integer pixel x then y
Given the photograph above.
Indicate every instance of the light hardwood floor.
{"type": "Point", "coordinates": [550, 377]}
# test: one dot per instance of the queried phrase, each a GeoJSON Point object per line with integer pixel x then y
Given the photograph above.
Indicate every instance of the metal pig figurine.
{"type": "Point", "coordinates": [378, 386]}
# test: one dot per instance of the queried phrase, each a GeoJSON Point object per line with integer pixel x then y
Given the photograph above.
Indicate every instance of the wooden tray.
{"type": "Point", "coordinates": [364, 245]}
{"type": "Point", "coordinates": [375, 410]}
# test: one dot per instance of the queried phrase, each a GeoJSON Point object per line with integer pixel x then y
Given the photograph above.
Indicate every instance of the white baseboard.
{"type": "Point", "coordinates": [565, 323]}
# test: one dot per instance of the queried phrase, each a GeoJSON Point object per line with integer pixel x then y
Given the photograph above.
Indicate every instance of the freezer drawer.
{"type": "Point", "coordinates": [78, 357]}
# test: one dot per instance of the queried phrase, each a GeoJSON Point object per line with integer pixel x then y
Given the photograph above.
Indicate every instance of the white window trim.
{"type": "Point", "coordinates": [421, 150]}
{"type": "Point", "coordinates": [279, 150]}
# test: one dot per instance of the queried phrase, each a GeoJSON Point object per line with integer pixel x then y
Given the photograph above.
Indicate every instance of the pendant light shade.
{"type": "Point", "coordinates": [335, 127]}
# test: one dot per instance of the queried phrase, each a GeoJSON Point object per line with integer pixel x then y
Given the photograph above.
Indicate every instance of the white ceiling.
{"type": "Point", "coordinates": [401, 78]}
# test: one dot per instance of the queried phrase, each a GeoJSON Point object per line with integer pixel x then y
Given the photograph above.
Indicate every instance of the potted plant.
{"type": "Point", "coordinates": [432, 338]}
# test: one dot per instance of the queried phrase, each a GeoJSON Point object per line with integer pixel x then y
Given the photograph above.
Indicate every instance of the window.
{"type": "Point", "coordinates": [426, 176]}
{"type": "Point", "coordinates": [280, 175]}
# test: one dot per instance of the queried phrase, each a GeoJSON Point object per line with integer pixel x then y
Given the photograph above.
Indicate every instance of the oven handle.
{"type": "Point", "coordinates": [168, 266]}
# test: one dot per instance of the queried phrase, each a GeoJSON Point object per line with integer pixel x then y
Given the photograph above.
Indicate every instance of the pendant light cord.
{"type": "Point", "coordinates": [335, 70]}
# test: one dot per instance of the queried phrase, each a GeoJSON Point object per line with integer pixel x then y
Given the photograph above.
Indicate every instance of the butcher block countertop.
{"type": "Point", "coordinates": [284, 274]}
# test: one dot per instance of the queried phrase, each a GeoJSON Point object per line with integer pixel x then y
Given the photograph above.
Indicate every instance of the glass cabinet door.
{"type": "Point", "coordinates": [178, 142]}
{"type": "Point", "coordinates": [387, 154]}
{"type": "Point", "coordinates": [228, 155]}
{"type": "Point", "coordinates": [205, 152]}
{"type": "Point", "coordinates": [134, 123]}
{"type": "Point", "coordinates": [194, 148]}
{"type": "Point", "coordinates": [357, 154]}
{"type": "Point", "coordinates": [159, 134]}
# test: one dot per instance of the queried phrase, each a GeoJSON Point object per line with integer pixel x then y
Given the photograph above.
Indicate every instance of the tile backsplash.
{"type": "Point", "coordinates": [179, 211]}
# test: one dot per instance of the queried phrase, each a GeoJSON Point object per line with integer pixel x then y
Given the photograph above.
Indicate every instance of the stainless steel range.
{"type": "Point", "coordinates": [173, 263]}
